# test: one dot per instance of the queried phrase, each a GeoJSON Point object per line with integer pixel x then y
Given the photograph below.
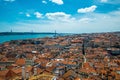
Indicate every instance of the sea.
{"type": "Point", "coordinates": [6, 38]}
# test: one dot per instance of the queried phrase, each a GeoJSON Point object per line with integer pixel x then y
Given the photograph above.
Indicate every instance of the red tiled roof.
{"type": "Point", "coordinates": [18, 70]}
{"type": "Point", "coordinates": [20, 62]}
{"type": "Point", "coordinates": [7, 74]}
{"type": "Point", "coordinates": [69, 73]}
{"type": "Point", "coordinates": [86, 65]}
{"type": "Point", "coordinates": [10, 74]}
{"type": "Point", "coordinates": [3, 73]}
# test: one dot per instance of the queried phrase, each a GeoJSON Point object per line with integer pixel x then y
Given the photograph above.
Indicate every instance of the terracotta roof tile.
{"type": "Point", "coordinates": [39, 70]}
{"type": "Point", "coordinates": [17, 70]}
{"type": "Point", "coordinates": [10, 74]}
{"type": "Point", "coordinates": [3, 73]}
{"type": "Point", "coordinates": [69, 73]}
{"type": "Point", "coordinates": [20, 62]}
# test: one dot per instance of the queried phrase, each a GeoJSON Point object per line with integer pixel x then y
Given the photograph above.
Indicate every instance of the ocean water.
{"type": "Point", "coordinates": [5, 38]}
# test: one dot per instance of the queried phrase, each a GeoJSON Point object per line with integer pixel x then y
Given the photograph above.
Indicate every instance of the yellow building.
{"type": "Point", "coordinates": [43, 77]}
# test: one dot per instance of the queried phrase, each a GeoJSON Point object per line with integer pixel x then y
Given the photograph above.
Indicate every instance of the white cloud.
{"type": "Point", "coordinates": [9, 0]}
{"type": "Point", "coordinates": [87, 9]}
{"type": "Point", "coordinates": [60, 16]}
{"type": "Point", "coordinates": [45, 2]}
{"type": "Point", "coordinates": [110, 1]}
{"type": "Point", "coordinates": [57, 15]}
{"type": "Point", "coordinates": [115, 13]}
{"type": "Point", "coordinates": [38, 15]}
{"type": "Point", "coordinates": [59, 2]}
{"type": "Point", "coordinates": [86, 20]}
{"type": "Point", "coordinates": [28, 15]}
{"type": "Point", "coordinates": [96, 22]}
{"type": "Point", "coordinates": [104, 1]}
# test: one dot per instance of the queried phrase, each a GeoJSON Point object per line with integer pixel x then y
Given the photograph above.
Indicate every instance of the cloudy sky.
{"type": "Point", "coordinates": [67, 16]}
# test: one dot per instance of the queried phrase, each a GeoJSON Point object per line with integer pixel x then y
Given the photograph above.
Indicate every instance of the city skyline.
{"type": "Point", "coordinates": [64, 16]}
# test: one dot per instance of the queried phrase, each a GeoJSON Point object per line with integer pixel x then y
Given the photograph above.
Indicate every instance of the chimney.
{"type": "Point", "coordinates": [23, 72]}
{"type": "Point", "coordinates": [35, 70]}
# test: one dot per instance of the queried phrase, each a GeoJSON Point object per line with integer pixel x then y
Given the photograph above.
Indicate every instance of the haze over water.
{"type": "Point", "coordinates": [21, 37]}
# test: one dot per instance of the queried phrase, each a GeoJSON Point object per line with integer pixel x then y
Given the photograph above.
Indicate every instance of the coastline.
{"type": "Point", "coordinates": [23, 33]}
{"type": "Point", "coordinates": [7, 38]}
{"type": "Point", "coordinates": [11, 36]}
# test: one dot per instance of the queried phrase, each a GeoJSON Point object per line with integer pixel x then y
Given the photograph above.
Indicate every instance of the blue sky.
{"type": "Point", "coordinates": [67, 16]}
